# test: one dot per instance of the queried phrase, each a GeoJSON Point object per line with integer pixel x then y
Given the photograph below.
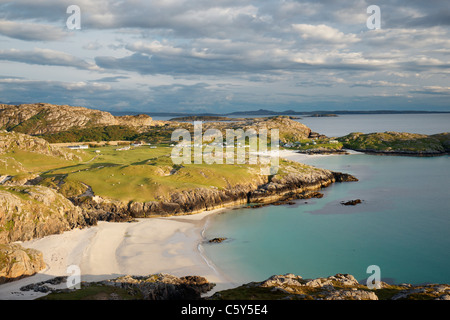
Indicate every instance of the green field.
{"type": "Point", "coordinates": [146, 174]}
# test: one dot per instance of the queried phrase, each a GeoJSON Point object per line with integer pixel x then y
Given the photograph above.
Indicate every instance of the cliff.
{"type": "Point", "coordinates": [43, 118]}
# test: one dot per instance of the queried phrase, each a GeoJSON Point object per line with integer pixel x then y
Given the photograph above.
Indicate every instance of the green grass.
{"type": "Point", "coordinates": [19, 162]}
{"type": "Point", "coordinates": [144, 174]}
{"type": "Point", "coordinates": [72, 188]}
{"type": "Point", "coordinates": [139, 174]}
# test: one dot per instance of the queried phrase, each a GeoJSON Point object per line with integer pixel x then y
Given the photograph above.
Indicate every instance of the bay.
{"type": "Point", "coordinates": [402, 225]}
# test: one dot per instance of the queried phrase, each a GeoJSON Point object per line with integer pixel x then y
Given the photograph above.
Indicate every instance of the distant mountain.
{"type": "Point", "coordinates": [263, 112]}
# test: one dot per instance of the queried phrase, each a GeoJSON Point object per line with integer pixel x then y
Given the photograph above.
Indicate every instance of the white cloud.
{"type": "Point", "coordinates": [31, 31]}
{"type": "Point", "coordinates": [325, 33]}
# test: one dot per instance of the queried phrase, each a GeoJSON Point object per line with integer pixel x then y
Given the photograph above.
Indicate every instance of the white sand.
{"type": "Point", "coordinates": [154, 245]}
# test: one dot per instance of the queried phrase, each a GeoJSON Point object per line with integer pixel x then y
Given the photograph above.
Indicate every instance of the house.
{"type": "Point", "coordinates": [78, 147]}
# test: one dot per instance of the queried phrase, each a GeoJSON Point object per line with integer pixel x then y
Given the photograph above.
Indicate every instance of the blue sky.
{"type": "Point", "coordinates": [227, 55]}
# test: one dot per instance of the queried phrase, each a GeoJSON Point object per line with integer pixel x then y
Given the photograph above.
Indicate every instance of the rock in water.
{"type": "Point", "coordinates": [217, 240]}
{"type": "Point", "coordinates": [351, 202]}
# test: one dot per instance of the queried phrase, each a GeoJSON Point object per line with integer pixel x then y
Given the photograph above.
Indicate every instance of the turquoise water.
{"type": "Point", "coordinates": [345, 124]}
{"type": "Point", "coordinates": [402, 226]}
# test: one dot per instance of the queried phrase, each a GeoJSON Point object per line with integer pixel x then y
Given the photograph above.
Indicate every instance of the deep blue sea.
{"type": "Point", "coordinates": [402, 224]}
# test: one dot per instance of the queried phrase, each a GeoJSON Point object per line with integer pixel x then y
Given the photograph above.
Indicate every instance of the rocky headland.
{"type": "Point", "coordinates": [398, 143]}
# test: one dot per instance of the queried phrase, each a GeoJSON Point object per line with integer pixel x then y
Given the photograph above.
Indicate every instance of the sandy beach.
{"type": "Point", "coordinates": [170, 245]}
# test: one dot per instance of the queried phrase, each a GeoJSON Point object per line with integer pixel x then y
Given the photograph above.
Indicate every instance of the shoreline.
{"type": "Point", "coordinates": [172, 244]}
{"type": "Point", "coordinates": [113, 249]}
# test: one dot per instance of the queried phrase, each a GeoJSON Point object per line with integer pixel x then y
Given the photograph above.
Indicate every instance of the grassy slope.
{"type": "Point", "coordinates": [20, 162]}
{"type": "Point", "coordinates": [143, 174]}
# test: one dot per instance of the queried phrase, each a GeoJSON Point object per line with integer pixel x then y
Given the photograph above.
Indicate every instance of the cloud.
{"type": "Point", "coordinates": [285, 53]}
{"type": "Point", "coordinates": [324, 33]}
{"type": "Point", "coordinates": [378, 83]}
{"type": "Point", "coordinates": [31, 31]}
{"type": "Point", "coordinates": [434, 90]}
{"type": "Point", "coordinates": [46, 57]}
{"type": "Point", "coordinates": [93, 46]}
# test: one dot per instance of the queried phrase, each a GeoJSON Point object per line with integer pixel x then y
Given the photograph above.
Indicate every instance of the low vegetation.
{"type": "Point", "coordinates": [397, 142]}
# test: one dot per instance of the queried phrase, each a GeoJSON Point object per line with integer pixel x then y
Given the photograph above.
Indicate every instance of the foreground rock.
{"type": "Point", "coordinates": [153, 287]}
{"type": "Point", "coordinates": [278, 287]}
{"type": "Point", "coordinates": [30, 212]}
{"type": "Point", "coordinates": [337, 287]}
{"type": "Point", "coordinates": [17, 262]}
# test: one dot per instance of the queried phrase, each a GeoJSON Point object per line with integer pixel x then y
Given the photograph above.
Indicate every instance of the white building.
{"type": "Point", "coordinates": [78, 147]}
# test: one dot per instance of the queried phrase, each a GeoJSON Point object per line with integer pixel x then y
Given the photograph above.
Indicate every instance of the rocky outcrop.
{"type": "Point", "coordinates": [31, 212]}
{"type": "Point", "coordinates": [11, 142]}
{"type": "Point", "coordinates": [159, 286]}
{"type": "Point", "coordinates": [337, 287]}
{"type": "Point", "coordinates": [17, 262]}
{"type": "Point", "coordinates": [284, 186]}
{"type": "Point", "coordinates": [43, 118]}
{"type": "Point", "coordinates": [164, 286]}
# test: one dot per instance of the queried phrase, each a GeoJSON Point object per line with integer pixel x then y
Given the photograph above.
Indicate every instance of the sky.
{"type": "Point", "coordinates": [220, 56]}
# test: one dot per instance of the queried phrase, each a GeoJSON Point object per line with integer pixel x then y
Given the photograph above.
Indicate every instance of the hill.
{"type": "Point", "coordinates": [42, 118]}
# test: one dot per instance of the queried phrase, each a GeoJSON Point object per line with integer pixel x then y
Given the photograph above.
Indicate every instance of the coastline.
{"type": "Point", "coordinates": [111, 249]}
{"type": "Point", "coordinates": [171, 244]}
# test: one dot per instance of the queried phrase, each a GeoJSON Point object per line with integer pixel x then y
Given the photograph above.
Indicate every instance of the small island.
{"type": "Point", "coordinates": [397, 143]}
{"type": "Point", "coordinates": [323, 115]}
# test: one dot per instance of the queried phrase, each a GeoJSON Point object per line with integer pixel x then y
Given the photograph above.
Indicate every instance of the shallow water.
{"type": "Point", "coordinates": [402, 226]}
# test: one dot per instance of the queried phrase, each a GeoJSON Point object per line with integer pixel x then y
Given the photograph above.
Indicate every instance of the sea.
{"type": "Point", "coordinates": [402, 224]}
